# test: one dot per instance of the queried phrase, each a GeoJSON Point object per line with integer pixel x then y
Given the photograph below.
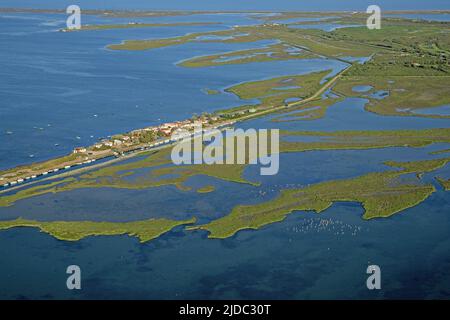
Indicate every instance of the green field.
{"type": "Point", "coordinates": [76, 230]}
{"type": "Point", "coordinates": [445, 183]}
{"type": "Point", "coordinates": [405, 93]}
{"type": "Point", "coordinates": [308, 111]}
{"type": "Point", "coordinates": [276, 91]}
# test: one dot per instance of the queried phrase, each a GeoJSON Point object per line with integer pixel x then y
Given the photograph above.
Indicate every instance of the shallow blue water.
{"type": "Point", "coordinates": [441, 111]}
{"type": "Point", "coordinates": [289, 100]}
{"type": "Point", "coordinates": [362, 88]}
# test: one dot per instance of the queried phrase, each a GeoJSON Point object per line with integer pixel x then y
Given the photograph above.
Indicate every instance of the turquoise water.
{"type": "Point", "coordinates": [64, 80]}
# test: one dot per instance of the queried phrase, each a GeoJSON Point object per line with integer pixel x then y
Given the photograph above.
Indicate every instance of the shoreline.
{"type": "Point", "coordinates": [190, 12]}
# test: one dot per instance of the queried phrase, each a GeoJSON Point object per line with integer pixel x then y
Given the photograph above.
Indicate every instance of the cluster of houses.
{"type": "Point", "coordinates": [170, 128]}
{"type": "Point", "coordinates": [157, 133]}
{"type": "Point", "coordinates": [162, 134]}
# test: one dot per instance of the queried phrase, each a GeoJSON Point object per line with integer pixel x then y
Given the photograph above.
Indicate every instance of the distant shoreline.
{"type": "Point", "coordinates": [157, 13]}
